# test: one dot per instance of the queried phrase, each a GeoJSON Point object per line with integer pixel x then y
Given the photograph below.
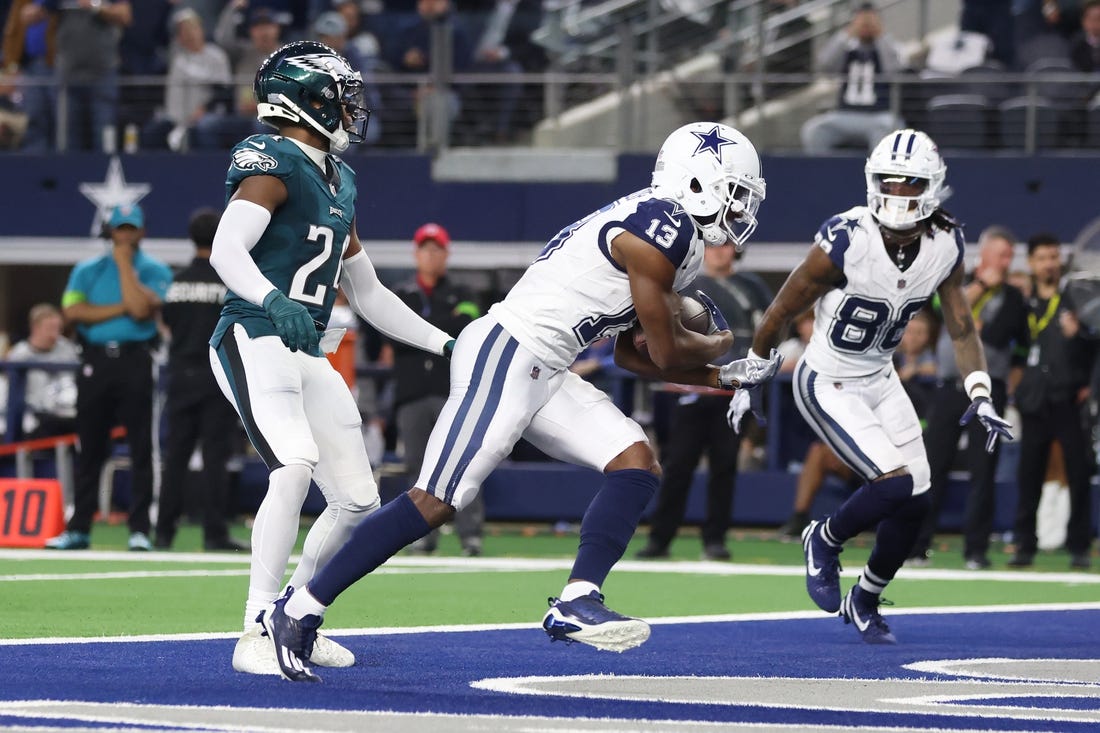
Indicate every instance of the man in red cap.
{"type": "Point", "coordinates": [422, 380]}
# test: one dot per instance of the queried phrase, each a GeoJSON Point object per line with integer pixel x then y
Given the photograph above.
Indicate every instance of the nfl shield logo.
{"type": "Point", "coordinates": [535, 372]}
{"type": "Point", "coordinates": [901, 284]}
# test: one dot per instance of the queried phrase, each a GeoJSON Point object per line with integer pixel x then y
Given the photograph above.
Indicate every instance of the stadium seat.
{"type": "Point", "coordinates": [1013, 122]}
{"type": "Point", "coordinates": [1042, 46]}
{"type": "Point", "coordinates": [959, 120]}
{"type": "Point", "coordinates": [976, 80]}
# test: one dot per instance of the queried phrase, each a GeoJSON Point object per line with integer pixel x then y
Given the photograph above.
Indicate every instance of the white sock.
{"type": "Point", "coordinates": [273, 536]}
{"type": "Point", "coordinates": [576, 589]}
{"type": "Point", "coordinates": [303, 604]}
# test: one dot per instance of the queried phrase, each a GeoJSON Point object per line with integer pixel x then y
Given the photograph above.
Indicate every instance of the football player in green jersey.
{"type": "Point", "coordinates": [287, 239]}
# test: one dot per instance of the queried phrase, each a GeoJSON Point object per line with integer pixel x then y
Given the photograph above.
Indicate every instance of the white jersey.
{"type": "Point", "coordinates": [575, 293]}
{"type": "Point", "coordinates": [859, 324]}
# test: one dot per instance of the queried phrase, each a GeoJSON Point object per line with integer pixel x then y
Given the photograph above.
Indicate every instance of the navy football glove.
{"type": "Point", "coordinates": [995, 425]}
{"type": "Point", "coordinates": [292, 322]}
{"type": "Point", "coordinates": [716, 316]}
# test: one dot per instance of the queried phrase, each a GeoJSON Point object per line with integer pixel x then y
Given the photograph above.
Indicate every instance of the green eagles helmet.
{"type": "Point", "coordinates": [310, 83]}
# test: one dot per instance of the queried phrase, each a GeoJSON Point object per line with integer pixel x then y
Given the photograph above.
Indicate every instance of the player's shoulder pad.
{"type": "Point", "coordinates": [663, 224]}
{"type": "Point", "coordinates": [262, 155]}
{"type": "Point", "coordinates": [834, 237]}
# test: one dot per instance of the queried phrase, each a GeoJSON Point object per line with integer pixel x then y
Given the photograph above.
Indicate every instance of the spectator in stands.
{"type": "Point", "coordinates": [246, 54]}
{"type": "Point", "coordinates": [859, 54]}
{"type": "Point", "coordinates": [88, 35]}
{"type": "Point", "coordinates": [1042, 24]}
{"type": "Point", "coordinates": [114, 299]}
{"type": "Point", "coordinates": [199, 81]}
{"type": "Point", "coordinates": [1084, 52]}
{"type": "Point", "coordinates": [819, 464]}
{"type": "Point", "coordinates": [29, 45]}
{"type": "Point", "coordinates": [13, 120]}
{"type": "Point", "coordinates": [422, 380]}
{"type": "Point", "coordinates": [197, 414]}
{"type": "Point", "coordinates": [143, 51]}
{"type": "Point", "coordinates": [504, 47]}
{"type": "Point", "coordinates": [1050, 396]}
{"type": "Point", "coordinates": [332, 30]}
{"type": "Point", "coordinates": [993, 19]}
{"type": "Point", "coordinates": [360, 36]}
{"type": "Point", "coordinates": [915, 363]}
{"type": "Point", "coordinates": [410, 51]}
{"type": "Point", "coordinates": [1000, 316]}
{"type": "Point", "coordinates": [699, 421]}
{"type": "Point", "coordinates": [50, 395]}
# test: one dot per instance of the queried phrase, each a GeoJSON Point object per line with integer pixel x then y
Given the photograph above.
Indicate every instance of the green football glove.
{"type": "Point", "coordinates": [292, 322]}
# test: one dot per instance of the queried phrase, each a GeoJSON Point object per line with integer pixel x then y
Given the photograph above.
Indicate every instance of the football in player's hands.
{"type": "Point", "coordinates": [694, 316]}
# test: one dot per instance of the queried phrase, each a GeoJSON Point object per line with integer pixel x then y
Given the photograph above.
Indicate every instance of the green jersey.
{"type": "Point", "coordinates": [301, 249]}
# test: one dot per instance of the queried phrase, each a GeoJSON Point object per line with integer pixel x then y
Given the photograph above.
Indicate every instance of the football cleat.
{"type": "Point", "coordinates": [861, 608]}
{"type": "Point", "coordinates": [822, 569]}
{"type": "Point", "coordinates": [254, 654]}
{"type": "Point", "coordinates": [589, 621]}
{"type": "Point", "coordinates": [292, 639]}
{"type": "Point", "coordinates": [328, 653]}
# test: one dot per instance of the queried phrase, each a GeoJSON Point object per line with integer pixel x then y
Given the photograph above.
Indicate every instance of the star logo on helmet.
{"type": "Point", "coordinates": [711, 142]}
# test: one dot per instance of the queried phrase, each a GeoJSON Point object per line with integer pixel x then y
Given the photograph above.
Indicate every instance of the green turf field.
{"type": "Point", "coordinates": [82, 594]}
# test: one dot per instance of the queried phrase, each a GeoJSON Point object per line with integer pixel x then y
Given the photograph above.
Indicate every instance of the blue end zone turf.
{"type": "Point", "coordinates": [433, 672]}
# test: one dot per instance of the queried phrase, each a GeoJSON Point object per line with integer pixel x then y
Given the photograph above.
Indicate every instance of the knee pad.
{"type": "Point", "coordinates": [922, 475]}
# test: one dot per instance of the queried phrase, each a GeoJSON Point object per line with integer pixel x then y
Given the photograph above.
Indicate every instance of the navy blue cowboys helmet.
{"type": "Point", "coordinates": [311, 84]}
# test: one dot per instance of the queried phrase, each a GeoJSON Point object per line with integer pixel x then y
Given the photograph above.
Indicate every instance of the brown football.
{"type": "Point", "coordinates": [693, 315]}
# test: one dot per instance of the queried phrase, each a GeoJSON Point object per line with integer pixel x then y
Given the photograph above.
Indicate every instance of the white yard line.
{"type": "Point", "coordinates": [458, 628]}
{"type": "Point", "coordinates": [504, 564]}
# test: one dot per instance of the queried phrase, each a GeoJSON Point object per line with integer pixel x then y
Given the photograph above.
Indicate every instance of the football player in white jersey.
{"type": "Point", "coordinates": [870, 270]}
{"type": "Point", "coordinates": [510, 379]}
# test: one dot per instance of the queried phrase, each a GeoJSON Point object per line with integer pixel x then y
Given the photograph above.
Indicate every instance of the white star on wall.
{"type": "Point", "coordinates": [114, 191]}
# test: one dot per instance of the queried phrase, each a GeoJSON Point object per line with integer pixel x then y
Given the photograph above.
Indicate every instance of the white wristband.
{"type": "Point", "coordinates": [977, 385]}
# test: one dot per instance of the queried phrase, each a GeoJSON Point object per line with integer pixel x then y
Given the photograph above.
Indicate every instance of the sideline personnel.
{"type": "Point", "coordinates": [113, 299]}
{"type": "Point", "coordinates": [197, 413]}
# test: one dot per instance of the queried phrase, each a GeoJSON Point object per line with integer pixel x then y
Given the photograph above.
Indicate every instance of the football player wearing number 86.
{"type": "Point", "coordinates": [510, 379]}
{"type": "Point", "coordinates": [870, 270]}
{"type": "Point", "coordinates": [286, 240]}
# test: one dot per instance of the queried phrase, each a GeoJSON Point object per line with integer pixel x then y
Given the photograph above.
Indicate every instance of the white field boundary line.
{"type": "Point", "coordinates": [460, 628]}
{"type": "Point", "coordinates": [515, 564]}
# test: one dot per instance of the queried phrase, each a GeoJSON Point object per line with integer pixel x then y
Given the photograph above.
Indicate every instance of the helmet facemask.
{"type": "Point", "coordinates": [735, 219]}
{"type": "Point", "coordinates": [904, 159]}
{"type": "Point", "coordinates": [713, 173]}
{"type": "Point", "coordinates": [324, 94]}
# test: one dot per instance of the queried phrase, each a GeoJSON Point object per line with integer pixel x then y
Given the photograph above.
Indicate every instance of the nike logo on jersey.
{"type": "Point", "coordinates": [830, 233]}
{"type": "Point", "coordinates": [259, 146]}
{"type": "Point", "coordinates": [675, 222]}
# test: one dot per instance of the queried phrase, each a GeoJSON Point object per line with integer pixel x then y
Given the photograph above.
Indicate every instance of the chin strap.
{"type": "Point", "coordinates": [338, 140]}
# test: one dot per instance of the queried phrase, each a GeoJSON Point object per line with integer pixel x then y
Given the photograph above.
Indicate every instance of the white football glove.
{"type": "Point", "coordinates": [751, 371]}
{"type": "Point", "coordinates": [746, 400]}
{"type": "Point", "coordinates": [995, 425]}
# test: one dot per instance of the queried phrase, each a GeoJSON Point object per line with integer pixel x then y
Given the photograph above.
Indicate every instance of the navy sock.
{"type": "Point", "coordinates": [895, 538]}
{"type": "Point", "coordinates": [610, 521]}
{"type": "Point", "coordinates": [864, 509]}
{"type": "Point", "coordinates": [375, 540]}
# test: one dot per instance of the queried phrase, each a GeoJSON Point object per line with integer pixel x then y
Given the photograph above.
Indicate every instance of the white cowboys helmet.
{"type": "Point", "coordinates": [713, 172]}
{"type": "Point", "coordinates": [908, 157]}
